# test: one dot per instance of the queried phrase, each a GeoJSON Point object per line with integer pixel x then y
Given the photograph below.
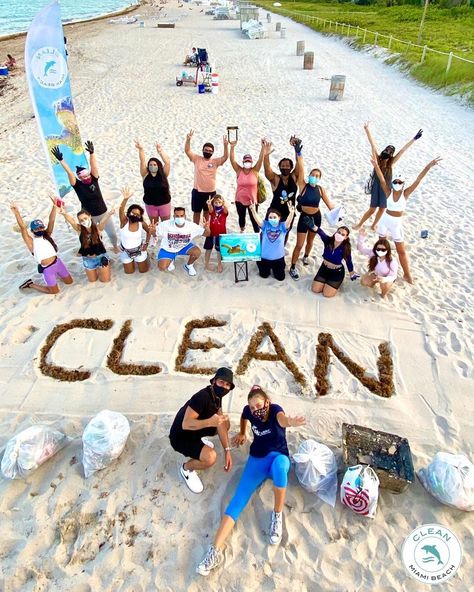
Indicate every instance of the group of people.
{"type": "Point", "coordinates": [202, 417]}
{"type": "Point", "coordinates": [291, 192]}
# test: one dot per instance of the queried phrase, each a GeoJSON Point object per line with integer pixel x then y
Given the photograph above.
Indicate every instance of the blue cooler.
{"type": "Point", "coordinates": [3, 71]}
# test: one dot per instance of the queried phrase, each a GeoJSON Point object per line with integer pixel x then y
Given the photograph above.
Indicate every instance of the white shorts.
{"type": "Point", "coordinates": [392, 225]}
{"type": "Point", "coordinates": [125, 258]}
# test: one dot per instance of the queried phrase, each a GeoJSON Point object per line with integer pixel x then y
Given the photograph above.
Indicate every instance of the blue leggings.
{"type": "Point", "coordinates": [274, 465]}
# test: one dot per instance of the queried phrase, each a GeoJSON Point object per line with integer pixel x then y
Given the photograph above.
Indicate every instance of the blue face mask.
{"type": "Point", "coordinates": [218, 209]}
{"type": "Point", "coordinates": [179, 221]}
{"type": "Point", "coordinates": [274, 222]}
{"type": "Point", "coordinates": [312, 180]}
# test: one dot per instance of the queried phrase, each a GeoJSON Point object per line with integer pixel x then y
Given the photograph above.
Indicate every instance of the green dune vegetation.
{"type": "Point", "coordinates": [448, 27]}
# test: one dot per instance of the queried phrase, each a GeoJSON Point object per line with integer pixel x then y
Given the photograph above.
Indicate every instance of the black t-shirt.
{"type": "Point", "coordinates": [90, 197]}
{"type": "Point", "coordinates": [205, 403]}
{"type": "Point", "coordinates": [155, 192]}
{"type": "Point", "coordinates": [268, 436]}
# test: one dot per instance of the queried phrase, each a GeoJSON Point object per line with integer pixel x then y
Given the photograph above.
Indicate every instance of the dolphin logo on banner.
{"type": "Point", "coordinates": [50, 91]}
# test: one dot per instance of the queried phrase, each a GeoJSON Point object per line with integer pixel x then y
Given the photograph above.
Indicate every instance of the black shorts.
{"type": "Point", "coordinates": [199, 200]}
{"type": "Point", "coordinates": [331, 277]}
{"type": "Point", "coordinates": [302, 227]}
{"type": "Point", "coordinates": [191, 444]}
{"type": "Point", "coordinates": [212, 241]}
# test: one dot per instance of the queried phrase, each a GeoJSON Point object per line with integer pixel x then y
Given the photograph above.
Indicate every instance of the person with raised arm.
{"type": "Point", "coordinates": [247, 184]}
{"type": "Point", "coordinates": [43, 248]}
{"type": "Point", "coordinates": [133, 244]}
{"type": "Point", "coordinates": [86, 186]}
{"type": "Point", "coordinates": [391, 223]}
{"type": "Point", "coordinates": [386, 161]}
{"type": "Point", "coordinates": [205, 175]}
{"type": "Point", "coordinates": [156, 189]}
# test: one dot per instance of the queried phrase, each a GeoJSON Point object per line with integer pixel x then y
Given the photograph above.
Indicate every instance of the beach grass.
{"type": "Point", "coordinates": [445, 30]}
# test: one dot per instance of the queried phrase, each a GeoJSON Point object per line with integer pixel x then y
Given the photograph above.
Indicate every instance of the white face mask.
{"type": "Point", "coordinates": [86, 223]}
{"type": "Point", "coordinates": [247, 165]}
{"type": "Point", "coordinates": [381, 253]}
{"type": "Point", "coordinates": [339, 237]}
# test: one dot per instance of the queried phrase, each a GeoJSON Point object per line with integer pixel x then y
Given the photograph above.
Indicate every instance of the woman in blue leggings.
{"type": "Point", "coordinates": [269, 458]}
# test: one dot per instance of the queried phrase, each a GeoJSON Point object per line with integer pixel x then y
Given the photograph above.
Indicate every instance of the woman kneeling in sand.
{"type": "Point", "coordinates": [269, 458]}
{"type": "Point", "coordinates": [382, 267]}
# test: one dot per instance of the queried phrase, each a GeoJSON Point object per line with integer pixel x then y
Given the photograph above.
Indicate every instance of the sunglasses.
{"type": "Point", "coordinates": [398, 182]}
{"type": "Point", "coordinates": [382, 250]}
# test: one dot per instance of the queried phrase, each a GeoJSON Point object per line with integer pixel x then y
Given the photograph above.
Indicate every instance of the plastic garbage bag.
{"type": "Point", "coordinates": [103, 440]}
{"type": "Point", "coordinates": [316, 469]}
{"type": "Point", "coordinates": [335, 215]}
{"type": "Point", "coordinates": [29, 449]}
{"type": "Point", "coordinates": [450, 479]}
{"type": "Point", "coordinates": [360, 490]}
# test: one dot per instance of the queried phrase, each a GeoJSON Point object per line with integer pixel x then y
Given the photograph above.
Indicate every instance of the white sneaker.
{"type": "Point", "coordinates": [171, 266]}
{"type": "Point", "coordinates": [294, 273]}
{"type": "Point", "coordinates": [276, 528]}
{"type": "Point", "coordinates": [192, 480]}
{"type": "Point", "coordinates": [190, 269]}
{"type": "Point", "coordinates": [207, 442]}
{"type": "Point", "coordinates": [305, 260]}
{"type": "Point", "coordinates": [210, 560]}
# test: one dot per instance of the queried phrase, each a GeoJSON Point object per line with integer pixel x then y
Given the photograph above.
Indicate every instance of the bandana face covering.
{"type": "Point", "coordinates": [260, 413]}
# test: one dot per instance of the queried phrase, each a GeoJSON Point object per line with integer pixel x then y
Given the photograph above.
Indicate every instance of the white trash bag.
{"type": "Point", "coordinates": [29, 449]}
{"type": "Point", "coordinates": [335, 215]}
{"type": "Point", "coordinates": [103, 440]}
{"type": "Point", "coordinates": [450, 479]}
{"type": "Point", "coordinates": [316, 469]}
{"type": "Point", "coordinates": [360, 490]}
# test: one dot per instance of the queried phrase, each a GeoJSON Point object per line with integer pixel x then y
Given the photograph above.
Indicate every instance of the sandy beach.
{"type": "Point", "coordinates": [134, 527]}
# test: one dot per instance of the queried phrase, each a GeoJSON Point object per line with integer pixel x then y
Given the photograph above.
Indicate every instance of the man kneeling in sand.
{"type": "Point", "coordinates": [199, 418]}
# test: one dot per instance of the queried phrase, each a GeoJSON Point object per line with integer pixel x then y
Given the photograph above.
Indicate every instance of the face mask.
{"type": "Point", "coordinates": [274, 221]}
{"type": "Point", "coordinates": [381, 253]}
{"type": "Point", "coordinates": [218, 209]}
{"type": "Point", "coordinates": [86, 180]}
{"type": "Point", "coordinates": [339, 237]}
{"type": "Point", "coordinates": [285, 172]}
{"type": "Point", "coordinates": [87, 223]}
{"type": "Point", "coordinates": [179, 221]}
{"type": "Point", "coordinates": [247, 165]}
{"type": "Point", "coordinates": [260, 413]}
{"type": "Point", "coordinates": [207, 155]}
{"type": "Point", "coordinates": [397, 186]}
{"type": "Point", "coordinates": [133, 218]}
{"type": "Point", "coordinates": [220, 391]}
{"type": "Point", "coordinates": [39, 233]}
{"type": "Point", "coordinates": [153, 168]}
{"type": "Point", "coordinates": [313, 181]}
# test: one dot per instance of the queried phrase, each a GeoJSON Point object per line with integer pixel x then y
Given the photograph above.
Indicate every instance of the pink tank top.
{"type": "Point", "coordinates": [246, 188]}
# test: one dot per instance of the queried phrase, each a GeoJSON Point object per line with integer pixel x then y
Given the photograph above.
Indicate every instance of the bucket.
{"type": "Point", "coordinates": [201, 89]}
{"type": "Point", "coordinates": [336, 92]}
{"type": "Point", "coordinates": [278, 27]}
{"type": "Point", "coordinates": [3, 71]}
{"type": "Point", "coordinates": [283, 33]}
{"type": "Point", "coordinates": [308, 60]}
{"type": "Point", "coordinates": [300, 48]}
{"type": "Point", "coordinates": [215, 84]}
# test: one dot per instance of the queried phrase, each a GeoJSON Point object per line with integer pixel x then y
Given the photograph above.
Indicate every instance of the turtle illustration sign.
{"type": "Point", "coordinates": [240, 247]}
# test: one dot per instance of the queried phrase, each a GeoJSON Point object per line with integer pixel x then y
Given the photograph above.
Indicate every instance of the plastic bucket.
{"type": "Point", "coordinates": [336, 92]}
{"type": "Point", "coordinates": [201, 89]}
{"type": "Point", "coordinates": [3, 71]}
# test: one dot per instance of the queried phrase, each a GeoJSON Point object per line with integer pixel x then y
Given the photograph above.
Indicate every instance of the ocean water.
{"type": "Point", "coordinates": [16, 15]}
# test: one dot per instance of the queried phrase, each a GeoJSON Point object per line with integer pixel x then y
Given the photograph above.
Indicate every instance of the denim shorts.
{"type": "Point", "coordinates": [95, 262]}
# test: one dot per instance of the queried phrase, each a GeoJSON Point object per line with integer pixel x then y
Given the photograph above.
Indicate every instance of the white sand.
{"type": "Point", "coordinates": [134, 526]}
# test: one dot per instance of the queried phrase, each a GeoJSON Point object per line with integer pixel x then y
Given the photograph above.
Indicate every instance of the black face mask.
{"type": "Point", "coordinates": [207, 155]}
{"type": "Point", "coordinates": [385, 155]}
{"type": "Point", "coordinates": [39, 233]}
{"type": "Point", "coordinates": [285, 172]}
{"type": "Point", "coordinates": [220, 391]}
{"type": "Point", "coordinates": [133, 218]}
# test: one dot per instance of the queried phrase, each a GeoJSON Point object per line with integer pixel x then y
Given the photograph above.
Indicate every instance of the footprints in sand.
{"type": "Point", "coordinates": [449, 430]}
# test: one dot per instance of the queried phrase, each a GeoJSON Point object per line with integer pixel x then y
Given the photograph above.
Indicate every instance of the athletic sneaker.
{"type": "Point", "coordinates": [276, 528]}
{"type": "Point", "coordinates": [305, 260]}
{"type": "Point", "coordinates": [207, 442]}
{"type": "Point", "coordinates": [294, 273]}
{"type": "Point", "coordinates": [210, 560]}
{"type": "Point", "coordinates": [192, 480]}
{"type": "Point", "coordinates": [171, 266]}
{"type": "Point", "coordinates": [190, 269]}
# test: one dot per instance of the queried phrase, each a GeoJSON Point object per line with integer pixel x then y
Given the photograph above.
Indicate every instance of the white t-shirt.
{"type": "Point", "coordinates": [176, 237]}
